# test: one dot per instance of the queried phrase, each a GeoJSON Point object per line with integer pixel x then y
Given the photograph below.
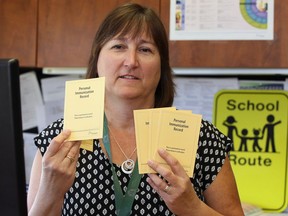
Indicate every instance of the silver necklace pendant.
{"type": "Point", "coordinates": [127, 166]}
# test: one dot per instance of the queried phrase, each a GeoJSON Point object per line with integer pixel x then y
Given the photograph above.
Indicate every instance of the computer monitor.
{"type": "Point", "coordinates": [12, 167]}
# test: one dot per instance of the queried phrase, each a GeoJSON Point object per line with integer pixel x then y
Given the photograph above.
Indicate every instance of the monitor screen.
{"type": "Point", "coordinates": [12, 167]}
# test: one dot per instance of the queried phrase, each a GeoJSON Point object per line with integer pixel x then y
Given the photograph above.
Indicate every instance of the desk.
{"type": "Point", "coordinates": [252, 210]}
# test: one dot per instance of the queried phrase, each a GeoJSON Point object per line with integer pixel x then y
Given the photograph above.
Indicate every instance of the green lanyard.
{"type": "Point", "coordinates": [123, 202]}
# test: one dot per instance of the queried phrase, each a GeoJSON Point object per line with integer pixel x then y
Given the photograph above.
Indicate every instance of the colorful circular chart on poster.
{"type": "Point", "coordinates": [255, 12]}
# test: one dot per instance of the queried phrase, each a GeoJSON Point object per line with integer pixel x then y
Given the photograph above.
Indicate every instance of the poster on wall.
{"type": "Point", "coordinates": [221, 19]}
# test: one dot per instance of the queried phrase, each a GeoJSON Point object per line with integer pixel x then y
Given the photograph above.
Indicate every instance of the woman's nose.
{"type": "Point", "coordinates": [131, 59]}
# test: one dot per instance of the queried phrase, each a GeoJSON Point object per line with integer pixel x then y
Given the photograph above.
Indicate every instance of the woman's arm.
{"type": "Point", "coordinates": [222, 194]}
{"type": "Point", "coordinates": [52, 175]}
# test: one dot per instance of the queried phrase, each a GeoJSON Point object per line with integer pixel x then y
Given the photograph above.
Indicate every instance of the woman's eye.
{"type": "Point", "coordinates": [117, 46]}
{"type": "Point", "coordinates": [146, 50]}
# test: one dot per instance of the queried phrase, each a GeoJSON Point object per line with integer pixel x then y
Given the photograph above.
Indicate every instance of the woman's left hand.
{"type": "Point", "coordinates": [176, 188]}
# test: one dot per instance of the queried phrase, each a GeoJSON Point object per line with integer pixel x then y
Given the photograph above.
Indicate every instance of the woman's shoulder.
{"type": "Point", "coordinates": [207, 125]}
{"type": "Point", "coordinates": [53, 129]}
{"type": "Point", "coordinates": [208, 128]}
{"type": "Point", "coordinates": [209, 132]}
{"type": "Point", "coordinates": [43, 139]}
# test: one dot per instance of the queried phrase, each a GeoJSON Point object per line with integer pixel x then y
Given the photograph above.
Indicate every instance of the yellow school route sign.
{"type": "Point", "coordinates": [256, 121]}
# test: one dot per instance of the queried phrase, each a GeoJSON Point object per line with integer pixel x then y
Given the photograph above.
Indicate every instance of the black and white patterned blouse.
{"type": "Point", "coordinates": [93, 192]}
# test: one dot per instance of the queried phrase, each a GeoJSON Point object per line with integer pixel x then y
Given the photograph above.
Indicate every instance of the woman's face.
{"type": "Point", "coordinates": [131, 67]}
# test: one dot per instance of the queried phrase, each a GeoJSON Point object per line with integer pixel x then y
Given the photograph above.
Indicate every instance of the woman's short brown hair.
{"type": "Point", "coordinates": [134, 19]}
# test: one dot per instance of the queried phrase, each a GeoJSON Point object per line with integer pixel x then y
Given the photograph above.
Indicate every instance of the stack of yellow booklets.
{"type": "Point", "coordinates": [176, 131]}
{"type": "Point", "coordinates": [84, 110]}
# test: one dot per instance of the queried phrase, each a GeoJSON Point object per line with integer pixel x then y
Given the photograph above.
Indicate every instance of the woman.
{"type": "Point", "coordinates": [131, 50]}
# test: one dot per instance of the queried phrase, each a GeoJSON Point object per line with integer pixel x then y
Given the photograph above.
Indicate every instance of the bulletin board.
{"type": "Point", "coordinates": [232, 53]}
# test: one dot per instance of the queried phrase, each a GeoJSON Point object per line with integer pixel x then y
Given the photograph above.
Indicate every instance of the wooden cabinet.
{"type": "Point", "coordinates": [53, 33]}
{"type": "Point", "coordinates": [67, 28]}
{"type": "Point", "coordinates": [18, 25]}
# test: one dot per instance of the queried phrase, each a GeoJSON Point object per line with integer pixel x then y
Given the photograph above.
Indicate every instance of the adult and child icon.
{"type": "Point", "coordinates": [267, 132]}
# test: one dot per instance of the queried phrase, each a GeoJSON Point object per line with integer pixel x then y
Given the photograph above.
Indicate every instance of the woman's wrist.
{"type": "Point", "coordinates": [46, 203]}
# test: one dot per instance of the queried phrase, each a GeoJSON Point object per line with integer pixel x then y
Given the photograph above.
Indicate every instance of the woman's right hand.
{"type": "Point", "coordinates": [59, 164]}
{"type": "Point", "coordinates": [52, 175]}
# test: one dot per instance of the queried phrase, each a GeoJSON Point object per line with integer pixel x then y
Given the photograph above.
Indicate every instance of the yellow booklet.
{"type": "Point", "coordinates": [84, 109]}
{"type": "Point", "coordinates": [142, 133]}
{"type": "Point", "coordinates": [154, 129]}
{"type": "Point", "coordinates": [178, 134]}
{"type": "Point", "coordinates": [87, 144]}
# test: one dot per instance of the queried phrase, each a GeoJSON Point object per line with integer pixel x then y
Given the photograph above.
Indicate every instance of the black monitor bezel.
{"type": "Point", "coordinates": [13, 194]}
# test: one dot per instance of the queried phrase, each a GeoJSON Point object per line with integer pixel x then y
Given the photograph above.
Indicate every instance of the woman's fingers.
{"type": "Point", "coordinates": [175, 168]}
{"type": "Point", "coordinates": [73, 154]}
{"type": "Point", "coordinates": [57, 142]}
{"type": "Point", "coordinates": [172, 177]}
{"type": "Point", "coordinates": [174, 164]}
{"type": "Point", "coordinates": [62, 150]}
{"type": "Point", "coordinates": [161, 186]}
{"type": "Point", "coordinates": [173, 184]}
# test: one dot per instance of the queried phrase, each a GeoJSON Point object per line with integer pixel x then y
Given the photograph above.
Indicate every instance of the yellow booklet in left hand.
{"type": "Point", "coordinates": [84, 108]}
{"type": "Point", "coordinates": [178, 134]}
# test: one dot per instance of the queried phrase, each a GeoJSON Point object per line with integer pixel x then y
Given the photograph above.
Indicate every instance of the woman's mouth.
{"type": "Point", "coordinates": [128, 77]}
